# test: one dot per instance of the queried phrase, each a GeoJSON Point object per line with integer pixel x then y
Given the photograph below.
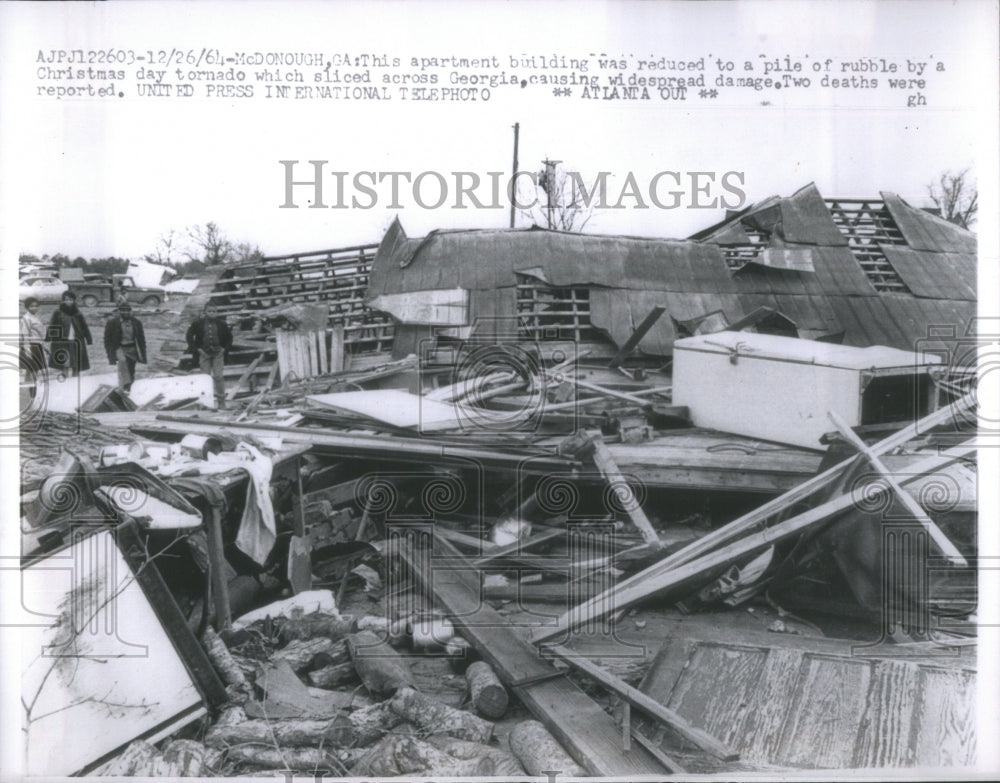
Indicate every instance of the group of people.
{"type": "Point", "coordinates": [62, 345]}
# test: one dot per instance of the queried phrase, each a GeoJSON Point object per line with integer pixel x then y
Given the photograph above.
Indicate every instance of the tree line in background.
{"type": "Point", "coordinates": [187, 252]}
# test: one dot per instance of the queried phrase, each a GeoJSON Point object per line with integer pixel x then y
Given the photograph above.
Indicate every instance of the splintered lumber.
{"type": "Point", "coordinates": [223, 660]}
{"type": "Point", "coordinates": [665, 575]}
{"type": "Point", "coordinates": [234, 390]}
{"type": "Point", "coordinates": [504, 764]}
{"type": "Point", "coordinates": [299, 653]}
{"type": "Point", "coordinates": [637, 698]}
{"type": "Point", "coordinates": [268, 756]}
{"type": "Point", "coordinates": [362, 727]}
{"type": "Point", "coordinates": [383, 670]}
{"type": "Point", "coordinates": [760, 514]}
{"type": "Point", "coordinates": [937, 535]}
{"type": "Point", "coordinates": [609, 469]}
{"type": "Point", "coordinates": [579, 723]}
{"type": "Point", "coordinates": [316, 625]}
{"type": "Point", "coordinates": [636, 337]}
{"type": "Point", "coordinates": [487, 694]}
{"type": "Point", "coordinates": [402, 755]}
{"type": "Point", "coordinates": [432, 716]}
{"type": "Point", "coordinates": [539, 753]}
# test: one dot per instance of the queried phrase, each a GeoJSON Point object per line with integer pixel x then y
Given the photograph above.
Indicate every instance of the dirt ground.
{"type": "Point", "coordinates": [159, 324]}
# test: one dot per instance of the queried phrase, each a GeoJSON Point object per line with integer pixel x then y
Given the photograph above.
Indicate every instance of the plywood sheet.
{"type": "Point", "coordinates": [819, 704]}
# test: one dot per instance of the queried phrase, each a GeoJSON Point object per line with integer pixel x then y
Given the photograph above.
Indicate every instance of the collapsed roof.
{"type": "Point", "coordinates": [857, 271]}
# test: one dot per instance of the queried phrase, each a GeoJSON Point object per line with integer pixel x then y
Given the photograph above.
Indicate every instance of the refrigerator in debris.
{"type": "Point", "coordinates": [782, 388]}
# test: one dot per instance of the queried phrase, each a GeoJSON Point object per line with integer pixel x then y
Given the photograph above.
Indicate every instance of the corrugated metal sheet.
{"type": "Point", "coordinates": [806, 220]}
{"type": "Point", "coordinates": [628, 275]}
{"type": "Point", "coordinates": [934, 275]}
{"type": "Point", "coordinates": [924, 231]}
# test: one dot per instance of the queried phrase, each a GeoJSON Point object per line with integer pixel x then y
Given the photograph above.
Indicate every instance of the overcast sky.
{"type": "Point", "coordinates": [108, 176]}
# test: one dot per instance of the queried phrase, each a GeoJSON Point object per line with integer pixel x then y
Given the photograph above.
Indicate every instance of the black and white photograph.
{"type": "Point", "coordinates": [500, 390]}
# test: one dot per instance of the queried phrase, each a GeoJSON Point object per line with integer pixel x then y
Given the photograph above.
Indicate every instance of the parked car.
{"type": "Point", "coordinates": [44, 288]}
{"type": "Point", "coordinates": [92, 292]}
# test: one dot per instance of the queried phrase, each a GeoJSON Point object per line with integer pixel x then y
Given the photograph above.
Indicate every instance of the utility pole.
{"type": "Point", "coordinates": [547, 179]}
{"type": "Point", "coordinates": [513, 179]}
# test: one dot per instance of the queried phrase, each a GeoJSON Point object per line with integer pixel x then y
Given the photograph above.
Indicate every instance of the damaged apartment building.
{"type": "Point", "coordinates": [510, 502]}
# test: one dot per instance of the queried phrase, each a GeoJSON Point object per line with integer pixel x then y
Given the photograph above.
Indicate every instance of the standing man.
{"type": "Point", "coordinates": [209, 340]}
{"type": "Point", "coordinates": [69, 337]}
{"type": "Point", "coordinates": [125, 343]}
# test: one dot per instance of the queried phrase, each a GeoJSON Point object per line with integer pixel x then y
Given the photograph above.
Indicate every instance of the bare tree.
{"type": "Point", "coordinates": [211, 243]}
{"type": "Point", "coordinates": [957, 197]}
{"type": "Point", "coordinates": [557, 201]}
{"type": "Point", "coordinates": [166, 249]}
{"type": "Point", "coordinates": [246, 252]}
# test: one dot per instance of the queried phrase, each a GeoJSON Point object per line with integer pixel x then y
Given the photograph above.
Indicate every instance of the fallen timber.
{"type": "Point", "coordinates": [700, 556]}
{"type": "Point", "coordinates": [364, 445]}
{"type": "Point", "coordinates": [662, 577]}
{"type": "Point", "coordinates": [578, 722]}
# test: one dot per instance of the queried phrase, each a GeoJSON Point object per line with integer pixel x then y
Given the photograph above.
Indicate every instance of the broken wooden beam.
{"type": "Point", "coordinates": [948, 549]}
{"type": "Point", "coordinates": [369, 445]}
{"type": "Point", "coordinates": [637, 698]}
{"type": "Point", "coordinates": [636, 337]}
{"type": "Point", "coordinates": [609, 469]}
{"type": "Point", "coordinates": [666, 575]}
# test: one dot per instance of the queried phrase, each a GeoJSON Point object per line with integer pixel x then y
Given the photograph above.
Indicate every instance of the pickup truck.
{"type": "Point", "coordinates": [93, 292]}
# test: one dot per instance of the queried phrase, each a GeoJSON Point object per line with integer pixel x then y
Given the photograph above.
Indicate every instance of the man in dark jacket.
{"type": "Point", "coordinates": [69, 337]}
{"type": "Point", "coordinates": [209, 340]}
{"type": "Point", "coordinates": [125, 343]}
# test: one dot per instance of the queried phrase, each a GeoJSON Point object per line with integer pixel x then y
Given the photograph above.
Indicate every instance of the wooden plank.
{"type": "Point", "coordinates": [888, 717]}
{"type": "Point", "coordinates": [516, 547]}
{"type": "Point", "coordinates": [824, 721]}
{"type": "Point", "coordinates": [752, 519]}
{"type": "Point", "coordinates": [234, 390]}
{"type": "Point", "coordinates": [636, 336]}
{"type": "Point", "coordinates": [718, 701]}
{"type": "Point", "coordinates": [947, 548]}
{"type": "Point", "coordinates": [609, 392]}
{"type": "Point", "coordinates": [606, 464]}
{"type": "Point", "coordinates": [767, 705]}
{"type": "Point", "coordinates": [661, 577]}
{"type": "Point", "coordinates": [393, 406]}
{"type": "Point", "coordinates": [585, 730]}
{"type": "Point", "coordinates": [337, 348]}
{"type": "Point", "coordinates": [323, 356]}
{"type": "Point", "coordinates": [281, 343]}
{"type": "Point", "coordinates": [637, 698]}
{"type": "Point", "coordinates": [371, 445]}
{"type": "Point", "coordinates": [945, 734]}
